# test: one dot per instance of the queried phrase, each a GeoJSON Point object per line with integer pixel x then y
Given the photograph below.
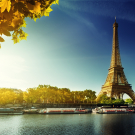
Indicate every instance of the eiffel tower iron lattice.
{"type": "Point", "coordinates": [116, 83]}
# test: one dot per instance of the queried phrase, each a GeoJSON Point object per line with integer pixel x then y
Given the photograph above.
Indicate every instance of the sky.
{"type": "Point", "coordinates": [72, 47]}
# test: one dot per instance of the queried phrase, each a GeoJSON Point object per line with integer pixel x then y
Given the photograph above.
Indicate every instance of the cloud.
{"type": "Point", "coordinates": [80, 18]}
{"type": "Point", "coordinates": [123, 9]}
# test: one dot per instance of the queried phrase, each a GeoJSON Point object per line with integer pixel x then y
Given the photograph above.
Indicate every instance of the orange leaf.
{"type": "Point", "coordinates": [1, 39]}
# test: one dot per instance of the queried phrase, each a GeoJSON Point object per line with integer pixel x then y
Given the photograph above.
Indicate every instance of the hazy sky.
{"type": "Point", "coordinates": [72, 47]}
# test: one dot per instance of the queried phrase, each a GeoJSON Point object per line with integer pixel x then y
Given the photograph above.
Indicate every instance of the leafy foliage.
{"type": "Point", "coordinates": [129, 100]}
{"type": "Point", "coordinates": [13, 13]}
{"type": "Point", "coordinates": [103, 99]}
{"type": "Point", "coordinates": [8, 95]}
{"type": "Point", "coordinates": [50, 94]}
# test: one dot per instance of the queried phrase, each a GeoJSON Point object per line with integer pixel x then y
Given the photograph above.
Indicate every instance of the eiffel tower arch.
{"type": "Point", "coordinates": [116, 83]}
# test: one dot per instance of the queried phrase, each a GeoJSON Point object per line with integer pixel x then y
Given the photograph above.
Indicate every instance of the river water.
{"type": "Point", "coordinates": [68, 124]}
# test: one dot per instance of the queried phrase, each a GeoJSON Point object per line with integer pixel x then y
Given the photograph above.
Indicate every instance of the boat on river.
{"type": "Point", "coordinates": [113, 110]}
{"type": "Point", "coordinates": [96, 110]}
{"type": "Point", "coordinates": [62, 111]}
{"type": "Point", "coordinates": [31, 111]}
{"type": "Point", "coordinates": [9, 111]}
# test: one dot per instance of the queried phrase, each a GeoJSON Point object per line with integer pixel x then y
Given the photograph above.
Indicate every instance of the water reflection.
{"type": "Point", "coordinates": [89, 124]}
{"type": "Point", "coordinates": [119, 124]}
{"type": "Point", "coordinates": [13, 13]}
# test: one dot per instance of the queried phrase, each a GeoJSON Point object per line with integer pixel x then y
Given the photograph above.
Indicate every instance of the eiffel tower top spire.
{"type": "Point", "coordinates": [115, 60]}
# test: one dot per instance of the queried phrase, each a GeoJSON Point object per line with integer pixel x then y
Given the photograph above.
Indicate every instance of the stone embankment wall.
{"type": "Point", "coordinates": [49, 105]}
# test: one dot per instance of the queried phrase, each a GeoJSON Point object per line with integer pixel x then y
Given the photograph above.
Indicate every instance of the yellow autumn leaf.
{"type": "Point", "coordinates": [1, 15]}
{"type": "Point", "coordinates": [24, 24]}
{"type": "Point", "coordinates": [5, 4]}
{"type": "Point", "coordinates": [16, 40]}
{"type": "Point", "coordinates": [57, 1]}
{"type": "Point", "coordinates": [1, 39]}
{"type": "Point", "coordinates": [47, 2]}
{"type": "Point", "coordinates": [34, 18]}
{"type": "Point", "coordinates": [37, 7]}
{"type": "Point", "coordinates": [30, 6]}
{"type": "Point", "coordinates": [18, 14]}
{"type": "Point", "coordinates": [47, 11]}
{"type": "Point", "coordinates": [23, 36]}
{"type": "Point", "coordinates": [54, 2]}
{"type": "Point", "coordinates": [16, 21]}
{"type": "Point", "coordinates": [14, 37]}
{"type": "Point", "coordinates": [26, 36]}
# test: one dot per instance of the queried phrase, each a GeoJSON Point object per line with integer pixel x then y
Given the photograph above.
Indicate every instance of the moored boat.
{"type": "Point", "coordinates": [96, 110]}
{"type": "Point", "coordinates": [31, 111]}
{"type": "Point", "coordinates": [115, 110]}
{"type": "Point", "coordinates": [62, 111]}
{"type": "Point", "coordinates": [9, 111]}
{"type": "Point", "coordinates": [81, 110]}
{"type": "Point", "coordinates": [88, 110]}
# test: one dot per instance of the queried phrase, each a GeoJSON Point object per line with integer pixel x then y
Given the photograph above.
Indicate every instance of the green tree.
{"type": "Point", "coordinates": [82, 94]}
{"type": "Point", "coordinates": [103, 99]}
{"type": "Point", "coordinates": [30, 96]}
{"type": "Point", "coordinates": [54, 94]}
{"type": "Point", "coordinates": [129, 100]}
{"type": "Point", "coordinates": [89, 95]}
{"type": "Point", "coordinates": [65, 95]}
{"type": "Point", "coordinates": [119, 101]}
{"type": "Point", "coordinates": [59, 95]}
{"type": "Point", "coordinates": [77, 96]}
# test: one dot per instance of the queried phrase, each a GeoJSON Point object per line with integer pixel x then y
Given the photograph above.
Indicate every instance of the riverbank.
{"type": "Point", "coordinates": [49, 105]}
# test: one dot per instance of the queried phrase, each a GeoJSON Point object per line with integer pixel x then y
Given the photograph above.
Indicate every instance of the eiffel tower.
{"type": "Point", "coordinates": [116, 83]}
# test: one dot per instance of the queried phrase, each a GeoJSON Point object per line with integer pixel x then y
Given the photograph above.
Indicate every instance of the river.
{"type": "Point", "coordinates": [68, 124]}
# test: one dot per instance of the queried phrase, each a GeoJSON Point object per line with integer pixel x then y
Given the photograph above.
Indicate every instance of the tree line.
{"type": "Point", "coordinates": [50, 94]}
{"type": "Point", "coordinates": [46, 94]}
{"type": "Point", "coordinates": [103, 99]}
{"type": "Point", "coordinates": [9, 95]}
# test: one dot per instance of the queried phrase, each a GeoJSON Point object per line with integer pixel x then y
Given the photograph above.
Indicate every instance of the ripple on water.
{"type": "Point", "coordinates": [72, 124]}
